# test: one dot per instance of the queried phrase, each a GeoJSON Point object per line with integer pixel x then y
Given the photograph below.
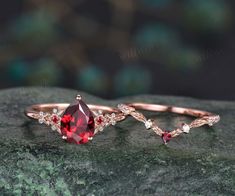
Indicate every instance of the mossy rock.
{"type": "Point", "coordinates": [122, 160]}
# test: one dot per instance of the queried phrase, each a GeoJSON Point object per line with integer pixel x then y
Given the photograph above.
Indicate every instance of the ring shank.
{"type": "Point", "coordinates": [173, 109]}
{"type": "Point", "coordinates": [33, 110]}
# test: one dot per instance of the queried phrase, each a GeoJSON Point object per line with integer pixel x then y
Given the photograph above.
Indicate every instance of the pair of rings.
{"type": "Point", "coordinates": [78, 122]}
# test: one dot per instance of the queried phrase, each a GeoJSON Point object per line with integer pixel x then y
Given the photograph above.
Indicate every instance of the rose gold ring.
{"type": "Point", "coordinates": [202, 118]}
{"type": "Point", "coordinates": [76, 122]}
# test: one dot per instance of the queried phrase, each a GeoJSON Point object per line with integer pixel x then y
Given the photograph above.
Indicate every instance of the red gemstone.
{"type": "Point", "coordinates": [166, 137]}
{"type": "Point", "coordinates": [100, 120]}
{"type": "Point", "coordinates": [55, 119]}
{"type": "Point", "coordinates": [77, 123]}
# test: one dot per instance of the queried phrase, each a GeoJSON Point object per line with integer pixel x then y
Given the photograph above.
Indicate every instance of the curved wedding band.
{"type": "Point", "coordinates": [202, 118]}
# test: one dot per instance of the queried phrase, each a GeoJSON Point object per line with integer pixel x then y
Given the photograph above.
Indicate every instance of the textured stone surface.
{"type": "Point", "coordinates": [126, 160]}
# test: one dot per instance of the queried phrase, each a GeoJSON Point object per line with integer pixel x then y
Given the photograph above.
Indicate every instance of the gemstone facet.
{"type": "Point", "coordinates": [77, 123]}
{"type": "Point", "coordinates": [166, 137]}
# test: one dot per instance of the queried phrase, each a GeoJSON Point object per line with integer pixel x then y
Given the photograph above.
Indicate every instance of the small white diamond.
{"type": "Point", "coordinates": [211, 124]}
{"type": "Point", "coordinates": [55, 110]}
{"type": "Point", "coordinates": [124, 109]}
{"type": "Point", "coordinates": [106, 116]}
{"type": "Point", "coordinates": [217, 119]}
{"type": "Point", "coordinates": [53, 127]}
{"type": "Point", "coordinates": [185, 128]}
{"type": "Point", "coordinates": [113, 123]}
{"type": "Point", "coordinates": [40, 120]}
{"type": "Point", "coordinates": [120, 106]}
{"type": "Point", "coordinates": [41, 113]}
{"type": "Point", "coordinates": [149, 124]}
{"type": "Point", "coordinates": [100, 129]}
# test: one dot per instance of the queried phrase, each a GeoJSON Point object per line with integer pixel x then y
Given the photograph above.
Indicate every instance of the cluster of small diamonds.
{"type": "Point", "coordinates": [104, 120]}
{"type": "Point", "coordinates": [49, 119]}
{"type": "Point", "coordinates": [101, 120]}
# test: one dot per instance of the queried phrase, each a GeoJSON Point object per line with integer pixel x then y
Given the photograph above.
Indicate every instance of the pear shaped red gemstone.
{"type": "Point", "coordinates": [77, 123]}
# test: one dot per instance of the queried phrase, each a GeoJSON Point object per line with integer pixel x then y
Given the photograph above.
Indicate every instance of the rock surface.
{"type": "Point", "coordinates": [125, 160]}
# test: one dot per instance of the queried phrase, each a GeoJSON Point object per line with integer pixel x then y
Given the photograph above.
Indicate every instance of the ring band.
{"type": "Point", "coordinates": [203, 118]}
{"type": "Point", "coordinates": [76, 122]}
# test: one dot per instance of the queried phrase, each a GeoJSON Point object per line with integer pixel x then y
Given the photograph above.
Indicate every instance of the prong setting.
{"type": "Point", "coordinates": [78, 97]}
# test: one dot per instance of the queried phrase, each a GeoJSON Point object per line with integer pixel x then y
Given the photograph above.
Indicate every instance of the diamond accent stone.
{"type": "Point", "coordinates": [113, 123]}
{"type": "Point", "coordinates": [185, 128]}
{"type": "Point", "coordinates": [55, 110]}
{"type": "Point", "coordinates": [53, 127]}
{"type": "Point", "coordinates": [125, 109]}
{"type": "Point", "coordinates": [149, 124]}
{"type": "Point", "coordinates": [112, 119]}
{"type": "Point", "coordinates": [40, 120]}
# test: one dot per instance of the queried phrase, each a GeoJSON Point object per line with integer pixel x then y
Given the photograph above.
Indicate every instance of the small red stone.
{"type": "Point", "coordinates": [55, 119]}
{"type": "Point", "coordinates": [99, 120]}
{"type": "Point", "coordinates": [77, 123]}
{"type": "Point", "coordinates": [166, 137]}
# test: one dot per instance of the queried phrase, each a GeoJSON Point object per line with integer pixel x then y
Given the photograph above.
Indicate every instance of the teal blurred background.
{"type": "Point", "coordinates": [114, 48]}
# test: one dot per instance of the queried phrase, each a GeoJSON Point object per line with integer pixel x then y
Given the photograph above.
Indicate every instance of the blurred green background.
{"type": "Point", "coordinates": [114, 48]}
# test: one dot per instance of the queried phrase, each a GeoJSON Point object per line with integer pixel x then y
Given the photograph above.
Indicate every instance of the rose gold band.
{"type": "Point", "coordinates": [173, 109]}
{"type": "Point", "coordinates": [203, 118]}
{"type": "Point", "coordinates": [33, 110]}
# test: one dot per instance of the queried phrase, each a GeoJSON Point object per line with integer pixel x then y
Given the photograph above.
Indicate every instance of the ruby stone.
{"type": "Point", "coordinates": [55, 119]}
{"type": "Point", "coordinates": [77, 123]}
{"type": "Point", "coordinates": [99, 120]}
{"type": "Point", "coordinates": [166, 137]}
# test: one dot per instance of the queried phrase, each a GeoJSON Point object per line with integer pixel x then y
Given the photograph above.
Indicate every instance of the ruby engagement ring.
{"type": "Point", "coordinates": [77, 122]}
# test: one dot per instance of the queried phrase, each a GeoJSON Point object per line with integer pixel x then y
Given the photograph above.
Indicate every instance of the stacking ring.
{"type": "Point", "coordinates": [202, 118]}
{"type": "Point", "coordinates": [76, 122]}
